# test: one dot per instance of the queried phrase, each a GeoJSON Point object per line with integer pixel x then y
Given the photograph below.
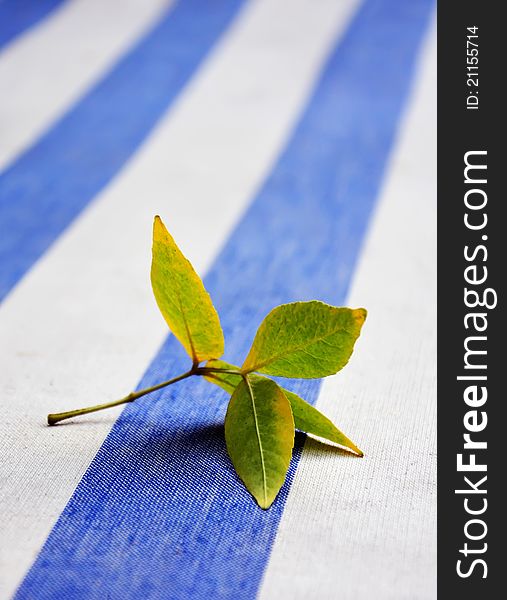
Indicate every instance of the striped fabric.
{"type": "Point", "coordinates": [289, 146]}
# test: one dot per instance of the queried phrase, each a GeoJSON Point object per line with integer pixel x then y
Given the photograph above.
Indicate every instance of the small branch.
{"type": "Point", "coordinates": [55, 418]}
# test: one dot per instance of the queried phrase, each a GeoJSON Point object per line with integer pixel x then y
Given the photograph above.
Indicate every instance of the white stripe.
{"type": "Point", "coordinates": [46, 70]}
{"type": "Point", "coordinates": [352, 528]}
{"type": "Point", "coordinates": [82, 326]}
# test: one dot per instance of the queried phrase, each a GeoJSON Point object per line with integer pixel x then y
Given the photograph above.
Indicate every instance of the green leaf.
{"type": "Point", "coordinates": [259, 433]}
{"type": "Point", "coordinates": [182, 299]}
{"type": "Point", "coordinates": [306, 417]}
{"type": "Point", "coordinates": [227, 381]}
{"type": "Point", "coordinates": [305, 339]}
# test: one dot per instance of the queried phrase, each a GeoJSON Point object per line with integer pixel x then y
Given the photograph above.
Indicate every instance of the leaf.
{"type": "Point", "coordinates": [310, 420]}
{"type": "Point", "coordinates": [227, 381]}
{"type": "Point", "coordinates": [306, 417]}
{"type": "Point", "coordinates": [305, 339]}
{"type": "Point", "coordinates": [182, 299]}
{"type": "Point", "coordinates": [259, 433]}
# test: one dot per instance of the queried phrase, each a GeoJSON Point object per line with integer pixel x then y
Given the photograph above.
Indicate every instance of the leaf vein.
{"type": "Point", "coordinates": [187, 328]}
{"type": "Point", "coordinates": [257, 431]}
{"type": "Point", "coordinates": [302, 347]}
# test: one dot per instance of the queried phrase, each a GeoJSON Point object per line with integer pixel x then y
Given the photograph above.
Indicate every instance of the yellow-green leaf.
{"type": "Point", "coordinates": [306, 417]}
{"type": "Point", "coordinates": [259, 433]}
{"type": "Point", "coordinates": [305, 340]}
{"type": "Point", "coordinates": [227, 381]}
{"type": "Point", "coordinates": [182, 299]}
{"type": "Point", "coordinates": [310, 420]}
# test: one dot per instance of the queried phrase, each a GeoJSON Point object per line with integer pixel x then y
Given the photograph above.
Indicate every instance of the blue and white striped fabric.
{"type": "Point", "coordinates": [289, 146]}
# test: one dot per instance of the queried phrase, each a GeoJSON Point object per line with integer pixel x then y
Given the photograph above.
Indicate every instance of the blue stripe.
{"type": "Point", "coordinates": [18, 15]}
{"type": "Point", "coordinates": [51, 183]}
{"type": "Point", "coordinates": [160, 512]}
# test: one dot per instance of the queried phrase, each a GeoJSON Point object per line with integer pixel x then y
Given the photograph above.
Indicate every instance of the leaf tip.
{"type": "Point", "coordinates": [360, 315]}
{"type": "Point", "coordinates": [158, 227]}
{"type": "Point", "coordinates": [264, 504]}
{"type": "Point", "coordinates": [266, 498]}
{"type": "Point", "coordinates": [354, 449]}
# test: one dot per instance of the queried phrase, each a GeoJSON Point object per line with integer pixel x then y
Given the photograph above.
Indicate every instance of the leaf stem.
{"type": "Point", "coordinates": [206, 370]}
{"type": "Point", "coordinates": [55, 418]}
